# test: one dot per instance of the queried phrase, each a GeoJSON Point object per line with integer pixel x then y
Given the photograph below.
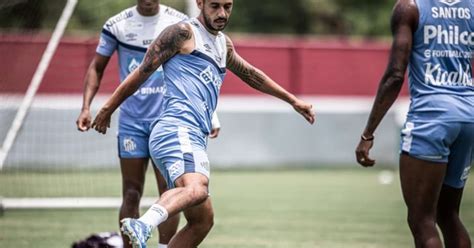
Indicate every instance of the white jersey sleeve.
{"type": "Point", "coordinates": [108, 42]}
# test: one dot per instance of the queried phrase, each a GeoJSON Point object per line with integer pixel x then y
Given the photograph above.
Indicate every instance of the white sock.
{"type": "Point", "coordinates": [155, 215]}
{"type": "Point", "coordinates": [162, 246]}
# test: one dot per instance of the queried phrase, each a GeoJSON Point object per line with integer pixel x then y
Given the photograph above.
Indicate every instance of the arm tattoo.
{"type": "Point", "coordinates": [253, 77]}
{"type": "Point", "coordinates": [168, 43]}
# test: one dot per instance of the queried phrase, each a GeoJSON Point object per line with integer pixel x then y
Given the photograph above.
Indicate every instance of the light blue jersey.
{"type": "Point", "coordinates": [440, 122]}
{"type": "Point", "coordinates": [440, 69]}
{"type": "Point", "coordinates": [193, 81]}
{"type": "Point", "coordinates": [130, 34]}
{"type": "Point", "coordinates": [178, 142]}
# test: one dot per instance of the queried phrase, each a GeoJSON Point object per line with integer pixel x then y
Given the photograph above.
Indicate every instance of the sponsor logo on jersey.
{"type": "Point", "coordinates": [452, 35]}
{"type": "Point", "coordinates": [208, 77]}
{"type": "Point", "coordinates": [129, 144]}
{"type": "Point", "coordinates": [175, 13]}
{"type": "Point", "coordinates": [118, 18]}
{"type": "Point", "coordinates": [450, 12]}
{"type": "Point", "coordinates": [208, 48]}
{"type": "Point", "coordinates": [436, 75]}
{"type": "Point", "coordinates": [448, 54]}
{"type": "Point", "coordinates": [131, 37]}
{"type": "Point", "coordinates": [147, 42]}
{"type": "Point", "coordinates": [152, 90]}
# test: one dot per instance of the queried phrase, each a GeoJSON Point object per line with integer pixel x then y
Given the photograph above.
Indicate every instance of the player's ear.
{"type": "Point", "coordinates": [200, 4]}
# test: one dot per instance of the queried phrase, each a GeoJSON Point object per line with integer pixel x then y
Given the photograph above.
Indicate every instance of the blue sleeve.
{"type": "Point", "coordinates": [107, 43]}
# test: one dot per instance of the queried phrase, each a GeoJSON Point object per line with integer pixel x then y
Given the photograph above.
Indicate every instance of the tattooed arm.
{"type": "Point", "coordinates": [403, 24]}
{"type": "Point", "coordinates": [258, 80]}
{"type": "Point", "coordinates": [173, 40]}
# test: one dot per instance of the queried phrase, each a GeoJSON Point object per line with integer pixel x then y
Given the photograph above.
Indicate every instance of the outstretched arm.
{"type": "Point", "coordinates": [258, 80]}
{"type": "Point", "coordinates": [403, 24]}
{"type": "Point", "coordinates": [170, 42]}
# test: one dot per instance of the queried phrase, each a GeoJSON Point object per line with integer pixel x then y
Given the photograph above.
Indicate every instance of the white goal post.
{"type": "Point", "coordinates": [36, 80]}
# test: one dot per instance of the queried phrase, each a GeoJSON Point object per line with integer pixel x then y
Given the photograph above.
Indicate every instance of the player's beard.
{"type": "Point", "coordinates": [208, 22]}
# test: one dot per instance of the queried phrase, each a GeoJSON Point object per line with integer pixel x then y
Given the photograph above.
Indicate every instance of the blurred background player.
{"type": "Point", "coordinates": [129, 33]}
{"type": "Point", "coordinates": [435, 40]}
{"type": "Point", "coordinates": [178, 139]}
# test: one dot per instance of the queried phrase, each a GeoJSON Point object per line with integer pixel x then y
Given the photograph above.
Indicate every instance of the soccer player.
{"type": "Point", "coordinates": [435, 39]}
{"type": "Point", "coordinates": [194, 55]}
{"type": "Point", "coordinates": [129, 33]}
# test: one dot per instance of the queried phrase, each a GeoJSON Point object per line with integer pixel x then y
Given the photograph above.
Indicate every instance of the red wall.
{"type": "Point", "coordinates": [304, 67]}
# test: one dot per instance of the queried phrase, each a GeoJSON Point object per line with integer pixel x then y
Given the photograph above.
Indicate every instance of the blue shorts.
{"type": "Point", "coordinates": [177, 150]}
{"type": "Point", "coordinates": [451, 143]}
{"type": "Point", "coordinates": [133, 136]}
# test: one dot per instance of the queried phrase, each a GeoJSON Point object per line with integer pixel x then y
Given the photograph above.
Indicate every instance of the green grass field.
{"type": "Point", "coordinates": [277, 208]}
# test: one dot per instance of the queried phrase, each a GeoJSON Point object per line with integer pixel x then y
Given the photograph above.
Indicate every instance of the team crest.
{"type": "Point", "coordinates": [450, 2]}
{"type": "Point", "coordinates": [133, 65]}
{"type": "Point", "coordinates": [129, 144]}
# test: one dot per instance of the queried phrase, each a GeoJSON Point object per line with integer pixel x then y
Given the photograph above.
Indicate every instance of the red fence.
{"type": "Point", "coordinates": [305, 67]}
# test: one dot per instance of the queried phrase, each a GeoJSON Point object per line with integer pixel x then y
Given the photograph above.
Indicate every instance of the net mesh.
{"type": "Point", "coordinates": [49, 157]}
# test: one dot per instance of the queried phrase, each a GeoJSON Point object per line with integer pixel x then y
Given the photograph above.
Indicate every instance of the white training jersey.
{"type": "Point", "coordinates": [130, 34]}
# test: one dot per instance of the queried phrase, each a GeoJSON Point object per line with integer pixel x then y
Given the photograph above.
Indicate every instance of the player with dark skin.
{"type": "Point", "coordinates": [133, 170]}
{"type": "Point", "coordinates": [191, 192]}
{"type": "Point", "coordinates": [428, 200]}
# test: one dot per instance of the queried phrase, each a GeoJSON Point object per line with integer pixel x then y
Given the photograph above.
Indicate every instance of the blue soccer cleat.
{"type": "Point", "coordinates": [137, 231]}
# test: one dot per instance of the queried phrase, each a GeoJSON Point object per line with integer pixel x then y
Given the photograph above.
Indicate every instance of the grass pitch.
{"type": "Point", "coordinates": [253, 209]}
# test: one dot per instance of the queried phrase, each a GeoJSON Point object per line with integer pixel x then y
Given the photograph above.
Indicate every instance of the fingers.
{"type": "Point", "coordinates": [308, 113]}
{"type": "Point", "coordinates": [82, 126]}
{"type": "Point", "coordinates": [362, 154]}
{"type": "Point", "coordinates": [83, 122]}
{"type": "Point", "coordinates": [100, 125]}
{"type": "Point", "coordinates": [311, 116]}
{"type": "Point", "coordinates": [366, 161]}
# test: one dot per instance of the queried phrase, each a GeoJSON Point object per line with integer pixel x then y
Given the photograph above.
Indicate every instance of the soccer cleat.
{"type": "Point", "coordinates": [137, 231]}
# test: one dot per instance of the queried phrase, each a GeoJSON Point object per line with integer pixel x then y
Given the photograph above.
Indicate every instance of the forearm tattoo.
{"type": "Point", "coordinates": [164, 47]}
{"type": "Point", "coordinates": [253, 77]}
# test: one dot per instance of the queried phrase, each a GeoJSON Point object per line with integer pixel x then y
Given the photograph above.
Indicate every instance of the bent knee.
{"type": "Point", "coordinates": [132, 196]}
{"type": "Point", "coordinates": [198, 193]}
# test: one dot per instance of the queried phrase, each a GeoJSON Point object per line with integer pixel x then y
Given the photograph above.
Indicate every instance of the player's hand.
{"type": "Point", "coordinates": [304, 109]}
{"type": "Point", "coordinates": [102, 121]}
{"type": "Point", "coordinates": [214, 133]}
{"type": "Point", "coordinates": [83, 122]}
{"type": "Point", "coordinates": [362, 153]}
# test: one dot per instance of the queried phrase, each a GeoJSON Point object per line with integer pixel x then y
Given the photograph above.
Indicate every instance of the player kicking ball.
{"type": "Point", "coordinates": [195, 55]}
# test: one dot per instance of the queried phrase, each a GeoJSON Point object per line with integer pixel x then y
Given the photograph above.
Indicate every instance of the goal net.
{"type": "Point", "coordinates": [45, 162]}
